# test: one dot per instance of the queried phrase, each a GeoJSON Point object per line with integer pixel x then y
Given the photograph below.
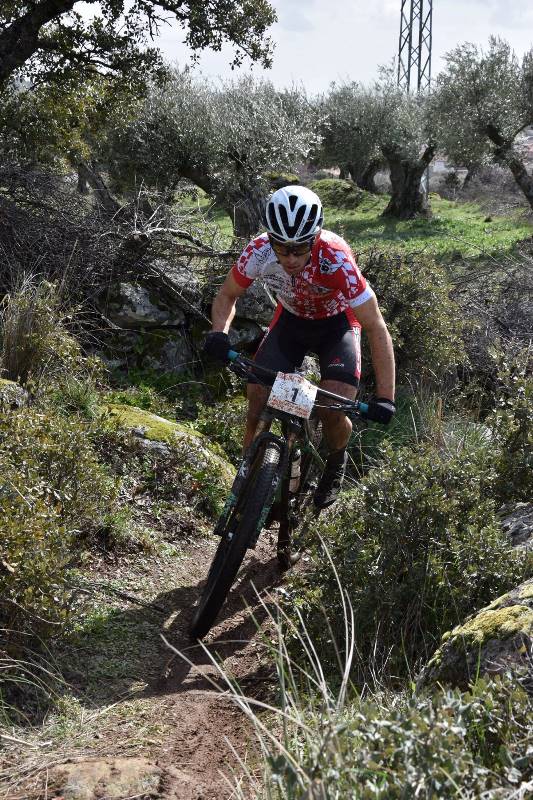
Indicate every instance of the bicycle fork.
{"type": "Point", "coordinates": [264, 438]}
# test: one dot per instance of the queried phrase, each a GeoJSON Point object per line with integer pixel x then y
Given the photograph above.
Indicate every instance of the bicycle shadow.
{"type": "Point", "coordinates": [243, 614]}
{"type": "Point", "coordinates": [121, 656]}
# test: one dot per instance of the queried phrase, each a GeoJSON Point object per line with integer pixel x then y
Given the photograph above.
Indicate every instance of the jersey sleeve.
{"type": "Point", "coordinates": [247, 268]}
{"type": "Point", "coordinates": [346, 276]}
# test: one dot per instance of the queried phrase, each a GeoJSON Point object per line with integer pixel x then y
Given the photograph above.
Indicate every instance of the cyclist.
{"type": "Point", "coordinates": [323, 302]}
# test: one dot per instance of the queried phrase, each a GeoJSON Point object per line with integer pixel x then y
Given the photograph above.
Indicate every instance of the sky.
{"type": "Point", "coordinates": [322, 41]}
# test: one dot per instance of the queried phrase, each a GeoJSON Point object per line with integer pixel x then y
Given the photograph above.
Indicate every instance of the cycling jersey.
{"type": "Point", "coordinates": [331, 282]}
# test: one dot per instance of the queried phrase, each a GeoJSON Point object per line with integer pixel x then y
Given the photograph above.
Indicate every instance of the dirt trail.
{"type": "Point", "coordinates": [203, 718]}
{"type": "Point", "coordinates": [122, 759]}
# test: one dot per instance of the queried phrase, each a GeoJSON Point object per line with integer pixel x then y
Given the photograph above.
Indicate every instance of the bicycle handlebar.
{"type": "Point", "coordinates": [344, 403]}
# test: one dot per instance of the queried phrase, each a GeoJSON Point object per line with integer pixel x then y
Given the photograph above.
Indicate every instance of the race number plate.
{"type": "Point", "coordinates": [293, 393]}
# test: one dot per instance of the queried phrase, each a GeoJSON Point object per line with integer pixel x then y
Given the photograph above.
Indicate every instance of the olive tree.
{"type": "Point", "coordinates": [408, 144]}
{"type": "Point", "coordinates": [223, 138]}
{"type": "Point", "coordinates": [351, 133]}
{"type": "Point", "coordinates": [367, 127]}
{"type": "Point", "coordinates": [482, 101]}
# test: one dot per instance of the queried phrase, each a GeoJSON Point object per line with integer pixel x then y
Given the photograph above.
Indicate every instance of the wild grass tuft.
{"type": "Point", "coordinates": [35, 341]}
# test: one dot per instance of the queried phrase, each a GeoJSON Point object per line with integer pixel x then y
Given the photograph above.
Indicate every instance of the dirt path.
{"type": "Point", "coordinates": [203, 719]}
{"type": "Point", "coordinates": [157, 728]}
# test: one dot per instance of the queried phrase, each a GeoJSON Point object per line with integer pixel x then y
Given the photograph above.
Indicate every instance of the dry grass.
{"type": "Point", "coordinates": [33, 334]}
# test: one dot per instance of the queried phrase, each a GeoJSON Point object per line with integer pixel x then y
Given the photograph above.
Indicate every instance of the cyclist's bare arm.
{"type": "Point", "coordinates": [223, 308]}
{"type": "Point", "coordinates": [380, 341]}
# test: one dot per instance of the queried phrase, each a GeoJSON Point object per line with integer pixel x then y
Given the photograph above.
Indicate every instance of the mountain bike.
{"type": "Point", "coordinates": [267, 477]}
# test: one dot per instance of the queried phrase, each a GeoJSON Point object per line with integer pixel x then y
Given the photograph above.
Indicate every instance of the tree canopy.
{"type": "Point", "coordinates": [52, 39]}
{"type": "Point", "coordinates": [483, 99]}
{"type": "Point", "coordinates": [223, 138]}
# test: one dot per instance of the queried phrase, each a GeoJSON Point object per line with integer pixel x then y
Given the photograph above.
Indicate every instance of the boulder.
{"type": "Point", "coordinates": [256, 304]}
{"type": "Point", "coordinates": [517, 522]}
{"type": "Point", "coordinates": [132, 305]}
{"type": "Point", "coordinates": [497, 639]}
{"type": "Point", "coordinates": [163, 436]}
{"type": "Point", "coordinates": [109, 778]}
{"type": "Point", "coordinates": [163, 349]}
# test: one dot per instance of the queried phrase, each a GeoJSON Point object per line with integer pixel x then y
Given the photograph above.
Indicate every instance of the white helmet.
{"type": "Point", "coordinates": [293, 214]}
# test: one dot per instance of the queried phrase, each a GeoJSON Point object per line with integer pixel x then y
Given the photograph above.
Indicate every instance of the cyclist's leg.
{"type": "Point", "coordinates": [279, 350]}
{"type": "Point", "coordinates": [340, 371]}
{"type": "Point", "coordinates": [340, 365]}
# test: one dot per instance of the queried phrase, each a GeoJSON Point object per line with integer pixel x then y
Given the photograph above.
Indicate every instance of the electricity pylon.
{"type": "Point", "coordinates": [414, 54]}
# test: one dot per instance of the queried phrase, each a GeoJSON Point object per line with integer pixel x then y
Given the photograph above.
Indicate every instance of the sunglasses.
{"type": "Point", "coordinates": [291, 249]}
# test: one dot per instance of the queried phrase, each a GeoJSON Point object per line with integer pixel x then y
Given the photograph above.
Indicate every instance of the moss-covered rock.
{"type": "Point", "coordinates": [497, 639]}
{"type": "Point", "coordinates": [202, 463]}
{"type": "Point", "coordinates": [338, 193]}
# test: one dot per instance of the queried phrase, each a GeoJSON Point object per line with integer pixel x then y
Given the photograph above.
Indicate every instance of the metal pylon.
{"type": "Point", "coordinates": [414, 55]}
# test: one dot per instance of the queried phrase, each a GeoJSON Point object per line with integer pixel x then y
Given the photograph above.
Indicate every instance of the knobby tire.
{"type": "Point", "coordinates": [231, 550]}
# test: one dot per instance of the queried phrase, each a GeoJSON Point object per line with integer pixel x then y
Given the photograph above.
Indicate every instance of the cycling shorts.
{"type": "Point", "coordinates": [335, 340]}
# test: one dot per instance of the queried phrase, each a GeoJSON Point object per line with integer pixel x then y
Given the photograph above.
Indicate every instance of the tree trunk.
{"type": "Point", "coordinates": [82, 185]}
{"type": "Point", "coordinates": [90, 175]}
{"type": "Point", "coordinates": [473, 170]}
{"type": "Point", "coordinates": [366, 179]}
{"type": "Point", "coordinates": [246, 209]}
{"type": "Point", "coordinates": [344, 172]}
{"type": "Point", "coordinates": [408, 199]}
{"type": "Point", "coordinates": [506, 155]}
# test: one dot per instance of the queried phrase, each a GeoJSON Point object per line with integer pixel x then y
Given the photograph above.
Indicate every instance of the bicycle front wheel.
{"type": "Point", "coordinates": [241, 529]}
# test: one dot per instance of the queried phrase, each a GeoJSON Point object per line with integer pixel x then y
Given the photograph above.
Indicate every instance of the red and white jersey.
{"type": "Point", "coordinates": [329, 284]}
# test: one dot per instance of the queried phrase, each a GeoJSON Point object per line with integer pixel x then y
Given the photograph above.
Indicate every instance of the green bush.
{"type": "Point", "coordinates": [418, 547]}
{"type": "Point", "coordinates": [337, 193]}
{"type": "Point", "coordinates": [512, 427]}
{"type": "Point", "coordinates": [450, 745]}
{"type": "Point", "coordinates": [224, 423]}
{"type": "Point", "coordinates": [424, 322]}
{"type": "Point", "coordinates": [52, 491]}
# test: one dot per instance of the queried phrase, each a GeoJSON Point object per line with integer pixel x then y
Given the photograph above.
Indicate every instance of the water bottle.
{"type": "Point", "coordinates": [296, 461]}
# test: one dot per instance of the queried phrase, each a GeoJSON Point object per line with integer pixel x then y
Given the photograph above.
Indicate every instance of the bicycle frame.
{"type": "Point", "coordinates": [293, 428]}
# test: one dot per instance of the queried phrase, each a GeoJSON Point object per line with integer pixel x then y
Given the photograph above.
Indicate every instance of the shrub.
{"type": "Point", "coordinates": [52, 490]}
{"type": "Point", "coordinates": [323, 741]}
{"type": "Point", "coordinates": [418, 547]}
{"type": "Point", "coordinates": [224, 423]}
{"type": "Point", "coordinates": [337, 193]}
{"type": "Point", "coordinates": [424, 322]}
{"type": "Point", "coordinates": [512, 426]}
{"type": "Point", "coordinates": [35, 341]}
{"type": "Point", "coordinates": [472, 744]}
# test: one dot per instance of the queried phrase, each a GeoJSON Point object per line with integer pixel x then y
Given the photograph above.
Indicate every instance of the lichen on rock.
{"type": "Point", "coordinates": [12, 395]}
{"type": "Point", "coordinates": [497, 639]}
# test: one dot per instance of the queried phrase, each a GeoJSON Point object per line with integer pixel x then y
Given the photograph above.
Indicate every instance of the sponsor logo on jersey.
{"type": "Point", "coordinates": [326, 266]}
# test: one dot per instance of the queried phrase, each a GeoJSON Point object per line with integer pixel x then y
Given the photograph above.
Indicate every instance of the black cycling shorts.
{"type": "Point", "coordinates": [335, 340]}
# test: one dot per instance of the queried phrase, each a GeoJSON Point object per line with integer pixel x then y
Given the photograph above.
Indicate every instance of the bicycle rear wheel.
{"type": "Point", "coordinates": [239, 532]}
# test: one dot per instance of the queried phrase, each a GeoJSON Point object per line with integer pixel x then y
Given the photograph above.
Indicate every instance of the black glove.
{"type": "Point", "coordinates": [380, 409]}
{"type": "Point", "coordinates": [217, 346]}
